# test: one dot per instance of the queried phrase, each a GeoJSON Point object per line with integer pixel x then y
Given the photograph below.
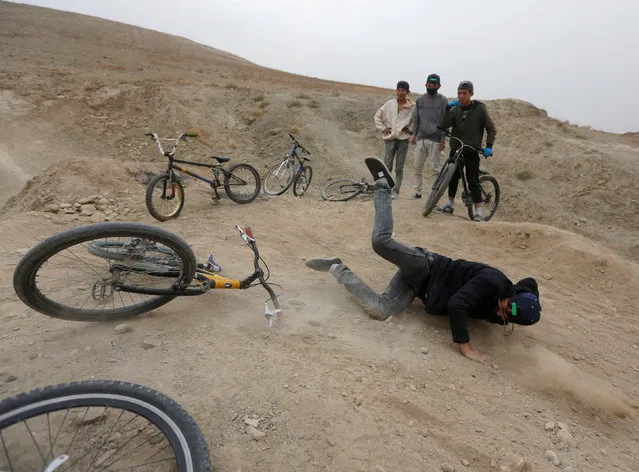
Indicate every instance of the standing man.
{"type": "Point", "coordinates": [469, 118]}
{"type": "Point", "coordinates": [395, 119]}
{"type": "Point", "coordinates": [429, 140]}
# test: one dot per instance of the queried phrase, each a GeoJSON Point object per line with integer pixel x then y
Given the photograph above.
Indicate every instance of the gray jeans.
{"type": "Point", "coordinates": [414, 264]}
{"type": "Point", "coordinates": [396, 149]}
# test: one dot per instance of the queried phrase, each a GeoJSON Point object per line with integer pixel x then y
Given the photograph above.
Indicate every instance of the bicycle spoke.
{"type": "Point", "coordinates": [44, 461]}
{"type": "Point", "coordinates": [6, 452]}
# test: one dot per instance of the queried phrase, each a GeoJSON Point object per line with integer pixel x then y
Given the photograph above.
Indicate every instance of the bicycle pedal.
{"type": "Point", "coordinates": [212, 265]}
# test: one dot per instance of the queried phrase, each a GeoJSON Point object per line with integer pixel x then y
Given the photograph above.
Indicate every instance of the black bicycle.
{"type": "Point", "coordinates": [345, 189]}
{"type": "Point", "coordinates": [281, 176]}
{"type": "Point", "coordinates": [99, 425]}
{"type": "Point", "coordinates": [165, 192]}
{"type": "Point", "coordinates": [488, 184]}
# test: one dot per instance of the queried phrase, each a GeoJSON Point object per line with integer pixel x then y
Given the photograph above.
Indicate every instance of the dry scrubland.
{"type": "Point", "coordinates": [335, 390]}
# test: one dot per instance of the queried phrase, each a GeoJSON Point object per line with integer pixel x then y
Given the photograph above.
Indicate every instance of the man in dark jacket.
{"type": "Point", "coordinates": [457, 288]}
{"type": "Point", "coordinates": [469, 118]}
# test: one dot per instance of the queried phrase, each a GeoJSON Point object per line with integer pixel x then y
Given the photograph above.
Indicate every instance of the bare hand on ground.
{"type": "Point", "coordinates": [473, 354]}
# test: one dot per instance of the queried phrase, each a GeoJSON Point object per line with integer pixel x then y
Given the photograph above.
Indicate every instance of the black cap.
{"type": "Point", "coordinates": [402, 84]}
{"type": "Point", "coordinates": [466, 85]}
{"type": "Point", "coordinates": [433, 79]}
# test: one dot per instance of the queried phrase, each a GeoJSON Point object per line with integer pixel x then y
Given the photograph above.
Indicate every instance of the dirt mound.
{"type": "Point", "coordinates": [71, 180]}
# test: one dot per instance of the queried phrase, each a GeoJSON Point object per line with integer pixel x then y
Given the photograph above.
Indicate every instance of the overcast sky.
{"type": "Point", "coordinates": [575, 58]}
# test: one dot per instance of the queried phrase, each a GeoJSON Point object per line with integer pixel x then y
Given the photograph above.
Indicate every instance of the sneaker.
{"type": "Point", "coordinates": [322, 265]}
{"type": "Point", "coordinates": [447, 209]}
{"type": "Point", "coordinates": [478, 218]}
{"type": "Point", "coordinates": [379, 170]}
{"type": "Point", "coordinates": [417, 195]}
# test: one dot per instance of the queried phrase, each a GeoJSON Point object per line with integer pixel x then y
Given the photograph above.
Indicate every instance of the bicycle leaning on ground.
{"type": "Point", "coordinates": [99, 425]}
{"type": "Point", "coordinates": [488, 184]}
{"type": "Point", "coordinates": [345, 189]}
{"type": "Point", "coordinates": [115, 270]}
{"type": "Point", "coordinates": [281, 176]}
{"type": "Point", "coordinates": [165, 192]}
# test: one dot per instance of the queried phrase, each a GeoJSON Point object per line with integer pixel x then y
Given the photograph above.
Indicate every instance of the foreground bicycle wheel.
{"type": "Point", "coordinates": [341, 190]}
{"type": "Point", "coordinates": [489, 197]}
{"type": "Point", "coordinates": [79, 274]}
{"type": "Point", "coordinates": [279, 178]}
{"type": "Point", "coordinates": [303, 181]}
{"type": "Point", "coordinates": [439, 186]}
{"type": "Point", "coordinates": [99, 425]}
{"type": "Point", "coordinates": [164, 199]}
{"type": "Point", "coordinates": [242, 183]}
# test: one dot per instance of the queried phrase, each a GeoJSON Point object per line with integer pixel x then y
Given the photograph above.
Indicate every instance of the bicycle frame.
{"type": "Point", "coordinates": [458, 159]}
{"type": "Point", "coordinates": [293, 154]}
{"type": "Point", "coordinates": [206, 280]}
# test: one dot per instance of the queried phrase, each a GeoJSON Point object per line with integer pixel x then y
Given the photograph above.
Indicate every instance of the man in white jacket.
{"type": "Point", "coordinates": [395, 120]}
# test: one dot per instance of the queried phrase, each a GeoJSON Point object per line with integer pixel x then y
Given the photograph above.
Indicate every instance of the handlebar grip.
{"type": "Point", "coordinates": [148, 134]}
{"type": "Point", "coordinates": [190, 135]}
{"type": "Point", "coordinates": [249, 232]}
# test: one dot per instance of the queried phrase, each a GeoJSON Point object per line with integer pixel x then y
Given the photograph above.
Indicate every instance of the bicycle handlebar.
{"type": "Point", "coordinates": [249, 239]}
{"type": "Point", "coordinates": [297, 144]}
{"type": "Point", "coordinates": [450, 135]}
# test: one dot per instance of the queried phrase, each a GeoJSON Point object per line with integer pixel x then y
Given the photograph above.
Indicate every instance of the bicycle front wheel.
{"type": "Point", "coordinates": [242, 183]}
{"type": "Point", "coordinates": [439, 186]}
{"type": "Point", "coordinates": [341, 190]}
{"type": "Point", "coordinates": [489, 197]}
{"type": "Point", "coordinates": [100, 272]}
{"type": "Point", "coordinates": [302, 181]}
{"type": "Point", "coordinates": [279, 178]}
{"type": "Point", "coordinates": [99, 425]}
{"type": "Point", "coordinates": [164, 198]}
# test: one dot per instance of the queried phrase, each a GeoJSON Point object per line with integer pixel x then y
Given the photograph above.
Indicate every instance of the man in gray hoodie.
{"type": "Point", "coordinates": [429, 141]}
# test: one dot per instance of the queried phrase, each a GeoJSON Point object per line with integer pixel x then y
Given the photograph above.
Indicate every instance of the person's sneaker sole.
{"type": "Point", "coordinates": [379, 170]}
{"type": "Point", "coordinates": [322, 265]}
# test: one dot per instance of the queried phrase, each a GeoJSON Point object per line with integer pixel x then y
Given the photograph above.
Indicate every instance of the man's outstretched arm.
{"type": "Point", "coordinates": [462, 303]}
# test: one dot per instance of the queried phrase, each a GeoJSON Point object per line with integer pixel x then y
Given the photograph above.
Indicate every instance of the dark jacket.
{"type": "Point", "coordinates": [427, 115]}
{"type": "Point", "coordinates": [471, 129]}
{"type": "Point", "coordinates": [463, 289]}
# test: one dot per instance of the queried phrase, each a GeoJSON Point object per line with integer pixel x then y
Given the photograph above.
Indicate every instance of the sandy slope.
{"type": "Point", "coordinates": [336, 390]}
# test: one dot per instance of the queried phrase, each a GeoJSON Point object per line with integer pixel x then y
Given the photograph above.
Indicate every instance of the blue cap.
{"type": "Point", "coordinates": [528, 309]}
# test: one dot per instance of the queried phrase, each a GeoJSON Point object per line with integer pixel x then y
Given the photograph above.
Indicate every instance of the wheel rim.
{"type": "Point", "coordinates": [302, 182]}
{"type": "Point", "coordinates": [241, 182]}
{"type": "Point", "coordinates": [278, 179]}
{"type": "Point", "coordinates": [100, 435]}
{"type": "Point", "coordinates": [341, 190]}
{"type": "Point", "coordinates": [85, 276]}
{"type": "Point", "coordinates": [489, 197]}
{"type": "Point", "coordinates": [166, 201]}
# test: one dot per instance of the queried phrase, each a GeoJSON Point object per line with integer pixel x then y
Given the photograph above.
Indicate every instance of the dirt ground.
{"type": "Point", "coordinates": [334, 389]}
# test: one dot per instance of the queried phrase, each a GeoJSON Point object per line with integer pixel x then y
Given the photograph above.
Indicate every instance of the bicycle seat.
{"type": "Point", "coordinates": [482, 172]}
{"type": "Point", "coordinates": [220, 159]}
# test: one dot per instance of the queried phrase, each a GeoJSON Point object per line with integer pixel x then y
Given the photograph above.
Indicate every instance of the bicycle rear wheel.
{"type": "Point", "coordinates": [164, 198]}
{"type": "Point", "coordinates": [342, 190]}
{"type": "Point", "coordinates": [439, 186]}
{"type": "Point", "coordinates": [489, 197]}
{"type": "Point", "coordinates": [95, 272]}
{"type": "Point", "coordinates": [242, 183]}
{"type": "Point", "coordinates": [99, 425]}
{"type": "Point", "coordinates": [302, 181]}
{"type": "Point", "coordinates": [279, 178]}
